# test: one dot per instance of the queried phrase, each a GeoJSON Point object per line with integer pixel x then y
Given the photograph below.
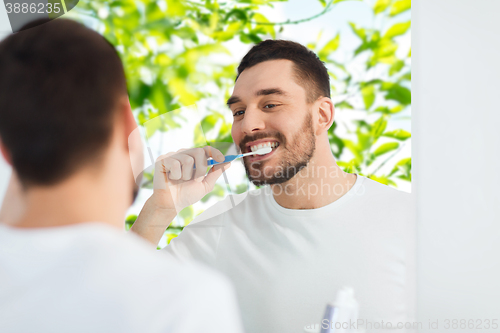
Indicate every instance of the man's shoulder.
{"type": "Point", "coordinates": [372, 188]}
{"type": "Point", "coordinates": [384, 202]}
{"type": "Point", "coordinates": [106, 260]}
{"type": "Point", "coordinates": [130, 259]}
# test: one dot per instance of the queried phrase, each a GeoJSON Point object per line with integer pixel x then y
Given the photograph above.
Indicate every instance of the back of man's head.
{"type": "Point", "coordinates": [59, 85]}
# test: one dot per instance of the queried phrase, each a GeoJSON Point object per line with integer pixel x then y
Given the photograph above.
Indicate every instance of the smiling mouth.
{"type": "Point", "coordinates": [256, 147]}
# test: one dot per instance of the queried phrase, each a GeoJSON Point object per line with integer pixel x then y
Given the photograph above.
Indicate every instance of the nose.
{"type": "Point", "coordinates": [253, 121]}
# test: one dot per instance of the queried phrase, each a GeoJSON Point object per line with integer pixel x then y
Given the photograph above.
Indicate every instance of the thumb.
{"type": "Point", "coordinates": [213, 175]}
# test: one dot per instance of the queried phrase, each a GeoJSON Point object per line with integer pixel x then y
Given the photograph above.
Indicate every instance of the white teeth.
{"type": "Point", "coordinates": [265, 144]}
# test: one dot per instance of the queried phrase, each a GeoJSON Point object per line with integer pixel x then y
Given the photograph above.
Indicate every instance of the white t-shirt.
{"type": "Point", "coordinates": [94, 278]}
{"type": "Point", "coordinates": [286, 264]}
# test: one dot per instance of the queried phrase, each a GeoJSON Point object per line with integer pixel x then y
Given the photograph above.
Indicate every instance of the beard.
{"type": "Point", "coordinates": [295, 155]}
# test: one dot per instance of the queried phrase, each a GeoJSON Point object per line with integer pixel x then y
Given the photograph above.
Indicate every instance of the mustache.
{"type": "Point", "coordinates": [262, 135]}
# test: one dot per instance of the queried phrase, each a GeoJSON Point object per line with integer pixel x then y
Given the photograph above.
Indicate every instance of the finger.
{"type": "Point", "coordinates": [213, 175]}
{"type": "Point", "coordinates": [162, 171]}
{"type": "Point", "coordinates": [200, 160]}
{"type": "Point", "coordinates": [214, 153]}
{"type": "Point", "coordinates": [172, 166]}
{"type": "Point", "coordinates": [162, 157]}
{"type": "Point", "coordinates": [187, 163]}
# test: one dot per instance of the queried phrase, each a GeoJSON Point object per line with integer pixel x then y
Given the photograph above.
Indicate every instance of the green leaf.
{"type": "Point", "coordinates": [241, 188]}
{"type": "Point", "coordinates": [175, 8]}
{"type": "Point", "coordinates": [159, 97]}
{"type": "Point", "coordinates": [387, 110]}
{"type": "Point", "coordinates": [170, 237]}
{"type": "Point", "coordinates": [336, 144]}
{"type": "Point", "coordinates": [405, 77]}
{"type": "Point", "coordinates": [129, 221]}
{"type": "Point", "coordinates": [323, 2]}
{"type": "Point", "coordinates": [397, 29]}
{"type": "Point", "coordinates": [381, 179]}
{"type": "Point", "coordinates": [368, 94]}
{"type": "Point", "coordinates": [396, 109]}
{"type": "Point", "coordinates": [230, 31]}
{"type": "Point", "coordinates": [218, 191]}
{"type": "Point", "coordinates": [381, 5]}
{"type": "Point", "coordinates": [344, 105]}
{"type": "Point", "coordinates": [385, 148]}
{"type": "Point", "coordinates": [354, 149]}
{"type": "Point", "coordinates": [187, 214]}
{"type": "Point", "coordinates": [238, 13]}
{"type": "Point", "coordinates": [400, 6]}
{"type": "Point", "coordinates": [265, 28]}
{"type": "Point", "coordinates": [399, 94]}
{"type": "Point", "coordinates": [250, 38]}
{"type": "Point", "coordinates": [378, 127]}
{"type": "Point", "coordinates": [398, 134]}
{"type": "Point", "coordinates": [404, 167]}
{"type": "Point", "coordinates": [210, 121]}
{"type": "Point", "coordinates": [331, 46]}
{"type": "Point", "coordinates": [384, 51]}
{"type": "Point", "coordinates": [396, 67]}
{"type": "Point", "coordinates": [360, 32]}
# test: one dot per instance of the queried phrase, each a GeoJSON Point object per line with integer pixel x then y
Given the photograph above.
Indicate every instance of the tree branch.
{"type": "Point", "coordinates": [328, 7]}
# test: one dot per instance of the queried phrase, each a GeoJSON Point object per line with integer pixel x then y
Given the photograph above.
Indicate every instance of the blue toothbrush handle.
{"type": "Point", "coordinates": [228, 158]}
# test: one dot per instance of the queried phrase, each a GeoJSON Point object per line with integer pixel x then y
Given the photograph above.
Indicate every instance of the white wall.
{"type": "Point", "coordinates": [456, 140]}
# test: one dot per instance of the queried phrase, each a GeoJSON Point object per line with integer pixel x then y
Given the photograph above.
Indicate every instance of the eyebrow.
{"type": "Point", "coordinates": [262, 92]}
{"type": "Point", "coordinates": [232, 100]}
{"type": "Point", "coordinates": [272, 91]}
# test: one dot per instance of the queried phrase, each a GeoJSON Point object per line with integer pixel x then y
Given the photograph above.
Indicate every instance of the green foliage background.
{"type": "Point", "coordinates": [170, 49]}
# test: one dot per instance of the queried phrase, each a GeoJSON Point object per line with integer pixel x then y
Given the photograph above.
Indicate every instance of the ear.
{"type": "Point", "coordinates": [5, 153]}
{"type": "Point", "coordinates": [326, 114]}
{"type": "Point", "coordinates": [132, 139]}
{"type": "Point", "coordinates": [127, 119]}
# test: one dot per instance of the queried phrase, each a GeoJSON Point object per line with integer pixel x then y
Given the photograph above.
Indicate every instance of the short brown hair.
{"type": "Point", "coordinates": [310, 71]}
{"type": "Point", "coordinates": [59, 85]}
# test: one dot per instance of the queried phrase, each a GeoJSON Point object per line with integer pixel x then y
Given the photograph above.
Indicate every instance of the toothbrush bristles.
{"type": "Point", "coordinates": [263, 151]}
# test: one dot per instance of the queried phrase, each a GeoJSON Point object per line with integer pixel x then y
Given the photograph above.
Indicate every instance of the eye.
{"type": "Point", "coordinates": [238, 113]}
{"type": "Point", "coordinates": [270, 106]}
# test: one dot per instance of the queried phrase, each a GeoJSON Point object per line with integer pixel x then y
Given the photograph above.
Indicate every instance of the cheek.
{"type": "Point", "coordinates": [283, 123]}
{"type": "Point", "coordinates": [236, 133]}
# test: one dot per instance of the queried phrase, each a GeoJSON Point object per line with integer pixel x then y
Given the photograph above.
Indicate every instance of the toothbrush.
{"type": "Point", "coordinates": [229, 158]}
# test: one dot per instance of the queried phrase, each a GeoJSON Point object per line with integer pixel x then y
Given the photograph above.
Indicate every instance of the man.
{"type": "Point", "coordinates": [312, 229]}
{"type": "Point", "coordinates": [65, 263]}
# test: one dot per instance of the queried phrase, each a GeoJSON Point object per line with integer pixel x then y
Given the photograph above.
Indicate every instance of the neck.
{"type": "Point", "coordinates": [320, 183]}
{"type": "Point", "coordinates": [85, 197]}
